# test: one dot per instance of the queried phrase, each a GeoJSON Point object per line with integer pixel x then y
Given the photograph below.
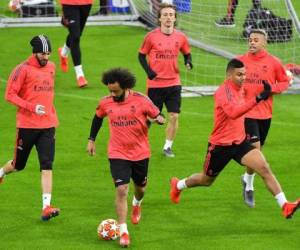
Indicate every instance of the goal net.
{"type": "Point", "coordinates": [215, 42]}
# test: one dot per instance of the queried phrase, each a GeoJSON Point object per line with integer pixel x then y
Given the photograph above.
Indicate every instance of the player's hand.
{"type": "Point", "coordinates": [151, 74]}
{"type": "Point", "coordinates": [189, 66]}
{"type": "Point", "coordinates": [264, 95]}
{"type": "Point", "coordinates": [160, 119]}
{"type": "Point", "coordinates": [290, 76]}
{"type": "Point", "coordinates": [91, 148]}
{"type": "Point", "coordinates": [40, 109]}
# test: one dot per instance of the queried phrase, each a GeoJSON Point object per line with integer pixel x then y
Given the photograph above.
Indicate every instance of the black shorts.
{"type": "Point", "coordinates": [170, 96]}
{"type": "Point", "coordinates": [122, 170]}
{"type": "Point", "coordinates": [218, 157]}
{"type": "Point", "coordinates": [44, 141]}
{"type": "Point", "coordinates": [257, 130]}
{"type": "Point", "coordinates": [75, 16]}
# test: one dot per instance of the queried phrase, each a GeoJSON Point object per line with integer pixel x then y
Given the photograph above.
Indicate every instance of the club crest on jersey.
{"type": "Point", "coordinates": [265, 68]}
{"type": "Point", "coordinates": [132, 109]}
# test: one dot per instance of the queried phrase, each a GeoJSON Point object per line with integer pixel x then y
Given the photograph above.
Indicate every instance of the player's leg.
{"type": "Point", "coordinates": [24, 143]}
{"type": "Point", "coordinates": [173, 104]}
{"type": "Point", "coordinates": [103, 10]}
{"type": "Point", "coordinates": [247, 179]}
{"type": "Point", "coordinates": [156, 95]}
{"type": "Point", "coordinates": [257, 131]}
{"type": "Point", "coordinates": [7, 168]}
{"type": "Point", "coordinates": [139, 176]}
{"type": "Point", "coordinates": [121, 172]}
{"type": "Point", "coordinates": [254, 159]}
{"type": "Point", "coordinates": [217, 157]}
{"type": "Point", "coordinates": [69, 16]}
{"type": "Point", "coordinates": [72, 22]}
{"type": "Point", "coordinates": [84, 13]}
{"type": "Point", "coordinates": [45, 146]}
{"type": "Point", "coordinates": [228, 20]}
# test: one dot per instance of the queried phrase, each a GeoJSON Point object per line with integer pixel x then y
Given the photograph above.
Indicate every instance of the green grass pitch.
{"type": "Point", "coordinates": [206, 218]}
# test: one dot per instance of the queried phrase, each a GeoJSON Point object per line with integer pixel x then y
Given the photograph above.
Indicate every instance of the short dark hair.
{"type": "Point", "coordinates": [259, 31]}
{"type": "Point", "coordinates": [122, 76]}
{"type": "Point", "coordinates": [234, 64]}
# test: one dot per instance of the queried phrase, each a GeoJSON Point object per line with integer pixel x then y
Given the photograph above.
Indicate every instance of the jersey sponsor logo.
{"type": "Point", "coordinates": [124, 123]}
{"type": "Point", "coordinates": [253, 80]}
{"type": "Point", "coordinates": [166, 54]}
{"type": "Point", "coordinates": [44, 87]}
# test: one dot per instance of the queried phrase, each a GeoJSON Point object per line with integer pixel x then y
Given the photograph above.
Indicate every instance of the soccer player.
{"type": "Point", "coordinates": [162, 46]}
{"type": "Point", "coordinates": [228, 140]}
{"type": "Point", "coordinates": [75, 14]}
{"type": "Point", "coordinates": [260, 66]}
{"type": "Point", "coordinates": [128, 149]}
{"type": "Point", "coordinates": [31, 88]}
{"type": "Point", "coordinates": [228, 20]}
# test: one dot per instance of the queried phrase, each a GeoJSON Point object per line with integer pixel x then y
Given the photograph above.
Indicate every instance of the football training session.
{"type": "Point", "coordinates": [150, 124]}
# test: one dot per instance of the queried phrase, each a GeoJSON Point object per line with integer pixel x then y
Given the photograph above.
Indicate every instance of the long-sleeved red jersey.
{"type": "Point", "coordinates": [28, 85]}
{"type": "Point", "coordinates": [259, 67]}
{"type": "Point", "coordinates": [230, 107]}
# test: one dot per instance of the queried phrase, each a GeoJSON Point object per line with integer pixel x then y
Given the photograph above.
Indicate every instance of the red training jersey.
{"type": "Point", "coordinates": [162, 51]}
{"type": "Point", "coordinates": [230, 107]}
{"type": "Point", "coordinates": [127, 124]}
{"type": "Point", "coordinates": [263, 66]}
{"type": "Point", "coordinates": [76, 2]}
{"type": "Point", "coordinates": [28, 85]}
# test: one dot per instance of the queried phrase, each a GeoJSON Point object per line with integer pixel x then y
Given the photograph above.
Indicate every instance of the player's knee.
{"type": "Point", "coordinates": [122, 191]}
{"type": "Point", "coordinates": [173, 117]}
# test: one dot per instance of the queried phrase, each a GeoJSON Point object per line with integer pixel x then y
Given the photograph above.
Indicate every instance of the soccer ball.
{"type": "Point", "coordinates": [290, 75]}
{"type": "Point", "coordinates": [108, 230]}
{"type": "Point", "coordinates": [14, 5]}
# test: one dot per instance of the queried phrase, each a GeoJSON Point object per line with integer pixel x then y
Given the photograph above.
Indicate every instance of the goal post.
{"type": "Point", "coordinates": [213, 45]}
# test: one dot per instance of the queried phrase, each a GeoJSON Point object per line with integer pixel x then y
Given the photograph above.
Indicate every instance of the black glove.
{"type": "Point", "coordinates": [151, 74]}
{"type": "Point", "coordinates": [264, 95]}
{"type": "Point", "coordinates": [188, 60]}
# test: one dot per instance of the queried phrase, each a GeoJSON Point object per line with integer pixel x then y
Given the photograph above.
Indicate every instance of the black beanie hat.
{"type": "Point", "coordinates": [40, 44]}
